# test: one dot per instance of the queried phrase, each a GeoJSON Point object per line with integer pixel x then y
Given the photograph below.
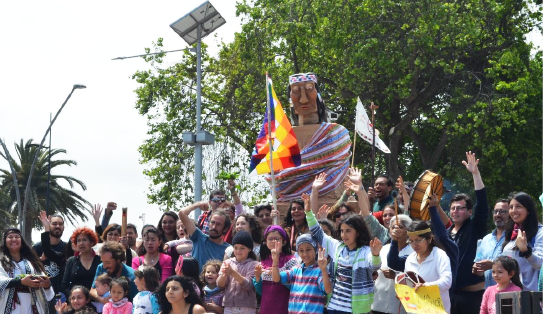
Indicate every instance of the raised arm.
{"type": "Point", "coordinates": [363, 201]}
{"type": "Point", "coordinates": [472, 167]}
{"type": "Point", "coordinates": [184, 215]}
{"type": "Point", "coordinates": [405, 197]}
{"type": "Point", "coordinates": [355, 176]}
{"type": "Point", "coordinates": [233, 193]}
{"type": "Point", "coordinates": [111, 206]}
{"type": "Point", "coordinates": [481, 210]}
{"type": "Point", "coordinates": [54, 256]}
{"type": "Point", "coordinates": [317, 184]}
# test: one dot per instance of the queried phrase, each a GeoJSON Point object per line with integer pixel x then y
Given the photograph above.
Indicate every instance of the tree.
{"type": "Point", "coordinates": [62, 200]}
{"type": "Point", "coordinates": [446, 75]}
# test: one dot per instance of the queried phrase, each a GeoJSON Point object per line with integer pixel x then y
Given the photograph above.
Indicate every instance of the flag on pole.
{"type": "Point", "coordinates": [364, 128]}
{"type": "Point", "coordinates": [286, 153]}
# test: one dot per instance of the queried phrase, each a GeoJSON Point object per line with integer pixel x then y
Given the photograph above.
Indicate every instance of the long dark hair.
{"type": "Point", "coordinates": [510, 264]}
{"type": "Point", "coordinates": [357, 223]}
{"type": "Point", "coordinates": [25, 251]}
{"type": "Point", "coordinates": [150, 275]}
{"type": "Point", "coordinates": [530, 224]}
{"type": "Point", "coordinates": [141, 249]}
{"type": "Point", "coordinates": [256, 228]}
{"type": "Point", "coordinates": [265, 252]}
{"type": "Point", "coordinates": [159, 227]}
{"type": "Point", "coordinates": [186, 284]}
{"type": "Point", "coordinates": [288, 219]}
{"type": "Point", "coordinates": [422, 225]}
{"type": "Point", "coordinates": [322, 110]}
{"type": "Point", "coordinates": [191, 269]}
{"type": "Point", "coordinates": [86, 293]}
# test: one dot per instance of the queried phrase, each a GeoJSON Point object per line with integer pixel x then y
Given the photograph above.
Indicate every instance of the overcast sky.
{"type": "Point", "coordinates": [47, 46]}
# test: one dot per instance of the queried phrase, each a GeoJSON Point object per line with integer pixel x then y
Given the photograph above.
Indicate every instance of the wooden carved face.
{"type": "Point", "coordinates": [304, 97]}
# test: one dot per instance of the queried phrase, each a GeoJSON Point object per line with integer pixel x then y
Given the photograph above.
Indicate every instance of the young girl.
{"type": "Point", "coordinates": [147, 281]}
{"type": "Point", "coordinates": [505, 272]}
{"type": "Point", "coordinates": [189, 267]}
{"type": "Point", "coordinates": [150, 254]}
{"type": "Point", "coordinates": [236, 276]}
{"type": "Point", "coordinates": [177, 296]}
{"type": "Point", "coordinates": [213, 294]}
{"type": "Point", "coordinates": [274, 295]}
{"type": "Point", "coordinates": [353, 259]}
{"type": "Point", "coordinates": [308, 282]}
{"type": "Point", "coordinates": [79, 302]}
{"type": "Point", "coordinates": [118, 304]}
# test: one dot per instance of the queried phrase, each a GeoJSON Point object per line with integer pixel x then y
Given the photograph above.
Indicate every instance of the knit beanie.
{"type": "Point", "coordinates": [306, 238]}
{"type": "Point", "coordinates": [244, 238]}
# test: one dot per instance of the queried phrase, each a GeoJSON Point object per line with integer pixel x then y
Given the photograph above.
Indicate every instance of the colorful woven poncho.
{"type": "Point", "coordinates": [328, 150]}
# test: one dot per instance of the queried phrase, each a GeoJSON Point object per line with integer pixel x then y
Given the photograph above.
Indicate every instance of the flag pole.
{"type": "Point", "coordinates": [270, 144]}
{"type": "Point", "coordinates": [355, 136]}
{"type": "Point", "coordinates": [372, 106]}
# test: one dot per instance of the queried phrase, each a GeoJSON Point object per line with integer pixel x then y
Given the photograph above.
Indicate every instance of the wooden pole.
{"type": "Point", "coordinates": [396, 211]}
{"type": "Point", "coordinates": [123, 226]}
{"type": "Point", "coordinates": [270, 144]}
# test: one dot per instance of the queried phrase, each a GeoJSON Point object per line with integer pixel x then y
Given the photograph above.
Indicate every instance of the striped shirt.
{"type": "Point", "coordinates": [341, 296]}
{"type": "Point", "coordinates": [307, 295]}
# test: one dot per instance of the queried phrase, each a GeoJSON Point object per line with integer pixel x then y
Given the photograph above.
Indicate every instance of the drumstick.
{"type": "Point", "coordinates": [396, 211]}
{"type": "Point", "coordinates": [123, 227]}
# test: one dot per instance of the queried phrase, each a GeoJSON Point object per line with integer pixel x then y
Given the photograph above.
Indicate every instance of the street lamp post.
{"type": "Point", "coordinates": [22, 225]}
{"type": "Point", "coordinates": [192, 27]}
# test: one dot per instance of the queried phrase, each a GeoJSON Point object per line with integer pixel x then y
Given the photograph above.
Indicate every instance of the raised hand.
{"type": "Point", "coordinates": [275, 252]}
{"type": "Point", "coordinates": [231, 185]}
{"type": "Point", "coordinates": [322, 261]}
{"type": "Point", "coordinates": [319, 181]}
{"type": "Point", "coordinates": [471, 163]}
{"type": "Point", "coordinates": [61, 307]}
{"type": "Point", "coordinates": [376, 246]}
{"type": "Point", "coordinates": [111, 206]}
{"type": "Point", "coordinates": [226, 268]}
{"type": "Point", "coordinates": [323, 212]}
{"type": "Point", "coordinates": [258, 271]}
{"type": "Point", "coordinates": [274, 213]}
{"type": "Point", "coordinates": [355, 175]}
{"type": "Point", "coordinates": [371, 194]}
{"type": "Point", "coordinates": [45, 221]}
{"type": "Point", "coordinates": [399, 183]}
{"type": "Point", "coordinates": [306, 199]}
{"type": "Point", "coordinates": [351, 186]}
{"type": "Point", "coordinates": [96, 213]}
{"type": "Point", "coordinates": [433, 200]}
{"type": "Point", "coordinates": [522, 241]}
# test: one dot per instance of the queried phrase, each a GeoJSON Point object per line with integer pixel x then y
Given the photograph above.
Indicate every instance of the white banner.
{"type": "Point", "coordinates": [365, 130]}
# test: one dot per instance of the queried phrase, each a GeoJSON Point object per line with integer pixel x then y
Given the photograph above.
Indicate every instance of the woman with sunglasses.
{"type": "Point", "coordinates": [150, 253]}
{"type": "Point", "coordinates": [24, 287]}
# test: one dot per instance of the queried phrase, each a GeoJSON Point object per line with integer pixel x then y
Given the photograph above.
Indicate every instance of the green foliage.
{"type": "Point", "coordinates": [448, 76]}
{"type": "Point", "coordinates": [62, 200]}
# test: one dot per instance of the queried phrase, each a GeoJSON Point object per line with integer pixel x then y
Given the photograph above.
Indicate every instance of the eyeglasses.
{"type": "Point", "coordinates": [13, 238]}
{"type": "Point", "coordinates": [218, 199]}
{"type": "Point", "coordinates": [270, 239]}
{"type": "Point", "coordinates": [295, 208]}
{"type": "Point", "coordinates": [415, 241]}
{"type": "Point", "coordinates": [458, 208]}
{"type": "Point", "coordinates": [338, 214]}
{"type": "Point", "coordinates": [500, 212]}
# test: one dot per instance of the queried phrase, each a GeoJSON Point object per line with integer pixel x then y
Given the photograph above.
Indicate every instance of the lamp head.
{"type": "Point", "coordinates": [79, 86]}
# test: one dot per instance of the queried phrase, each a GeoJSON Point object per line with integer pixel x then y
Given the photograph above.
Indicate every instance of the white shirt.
{"type": "Point", "coordinates": [435, 270]}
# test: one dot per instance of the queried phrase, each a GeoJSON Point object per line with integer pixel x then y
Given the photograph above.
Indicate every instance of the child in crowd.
{"type": "Point", "coordinates": [79, 302]}
{"type": "Point", "coordinates": [236, 275]}
{"type": "Point", "coordinates": [118, 304]}
{"type": "Point", "coordinates": [189, 267]}
{"type": "Point", "coordinates": [505, 272]}
{"type": "Point", "coordinates": [102, 288]}
{"type": "Point", "coordinates": [274, 295]}
{"type": "Point", "coordinates": [213, 294]}
{"type": "Point", "coordinates": [309, 282]}
{"type": "Point", "coordinates": [147, 281]}
{"type": "Point", "coordinates": [353, 260]}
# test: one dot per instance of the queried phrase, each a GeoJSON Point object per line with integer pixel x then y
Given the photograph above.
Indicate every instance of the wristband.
{"type": "Point", "coordinates": [526, 254]}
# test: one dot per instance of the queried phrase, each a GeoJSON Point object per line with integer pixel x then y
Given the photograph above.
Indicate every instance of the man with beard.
{"type": "Point", "coordinates": [113, 257]}
{"type": "Point", "coordinates": [132, 235]}
{"type": "Point", "coordinates": [206, 246]}
{"type": "Point", "coordinates": [491, 245]}
{"type": "Point", "coordinates": [380, 194]}
{"type": "Point", "coordinates": [468, 290]}
{"type": "Point", "coordinates": [51, 251]}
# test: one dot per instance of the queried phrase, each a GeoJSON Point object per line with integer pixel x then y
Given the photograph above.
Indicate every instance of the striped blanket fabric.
{"type": "Point", "coordinates": [328, 150]}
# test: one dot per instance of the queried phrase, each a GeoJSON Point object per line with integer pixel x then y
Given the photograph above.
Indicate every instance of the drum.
{"type": "Point", "coordinates": [427, 184]}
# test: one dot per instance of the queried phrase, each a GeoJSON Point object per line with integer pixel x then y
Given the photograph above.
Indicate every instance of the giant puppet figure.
{"type": "Point", "coordinates": [324, 146]}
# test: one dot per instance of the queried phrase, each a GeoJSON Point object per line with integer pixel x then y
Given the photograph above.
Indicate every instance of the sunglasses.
{"type": "Point", "coordinates": [338, 214]}
{"type": "Point", "coordinates": [219, 199]}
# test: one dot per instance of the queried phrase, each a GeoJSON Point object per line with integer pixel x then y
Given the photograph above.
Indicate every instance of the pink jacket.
{"type": "Point", "coordinates": [165, 262]}
{"type": "Point", "coordinates": [236, 294]}
{"type": "Point", "coordinates": [125, 309]}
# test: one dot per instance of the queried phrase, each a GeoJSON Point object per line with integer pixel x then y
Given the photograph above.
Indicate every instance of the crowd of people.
{"type": "Point", "coordinates": [341, 259]}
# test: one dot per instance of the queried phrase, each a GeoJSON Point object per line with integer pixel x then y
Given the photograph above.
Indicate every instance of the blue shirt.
{"type": "Point", "coordinates": [126, 272]}
{"type": "Point", "coordinates": [203, 249]}
{"type": "Point", "coordinates": [490, 248]}
{"type": "Point", "coordinates": [307, 295]}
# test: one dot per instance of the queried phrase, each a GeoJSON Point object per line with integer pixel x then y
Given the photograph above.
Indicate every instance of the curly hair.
{"type": "Point", "coordinates": [25, 251]}
{"type": "Point", "coordinates": [116, 249]}
{"type": "Point", "coordinates": [90, 234]}
{"type": "Point", "coordinates": [186, 284]}
{"type": "Point", "coordinates": [256, 228]}
{"type": "Point", "coordinates": [359, 225]}
{"type": "Point", "coordinates": [212, 262]}
{"type": "Point", "coordinates": [335, 209]}
{"type": "Point", "coordinates": [159, 226]}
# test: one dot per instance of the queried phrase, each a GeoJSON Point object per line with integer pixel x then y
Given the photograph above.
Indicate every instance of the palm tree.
{"type": "Point", "coordinates": [63, 201]}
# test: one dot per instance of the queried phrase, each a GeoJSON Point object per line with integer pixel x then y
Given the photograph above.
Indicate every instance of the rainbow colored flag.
{"type": "Point", "coordinates": [286, 153]}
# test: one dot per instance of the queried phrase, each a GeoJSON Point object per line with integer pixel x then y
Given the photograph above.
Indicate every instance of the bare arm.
{"type": "Point", "coordinates": [405, 197]}
{"type": "Point", "coordinates": [472, 166]}
{"type": "Point", "coordinates": [233, 193]}
{"type": "Point", "coordinates": [442, 215]}
{"type": "Point", "coordinates": [184, 215]}
{"type": "Point", "coordinates": [94, 295]}
{"type": "Point", "coordinates": [363, 200]}
{"type": "Point", "coordinates": [317, 184]}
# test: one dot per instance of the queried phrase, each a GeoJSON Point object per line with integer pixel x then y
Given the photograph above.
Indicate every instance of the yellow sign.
{"type": "Point", "coordinates": [426, 300]}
